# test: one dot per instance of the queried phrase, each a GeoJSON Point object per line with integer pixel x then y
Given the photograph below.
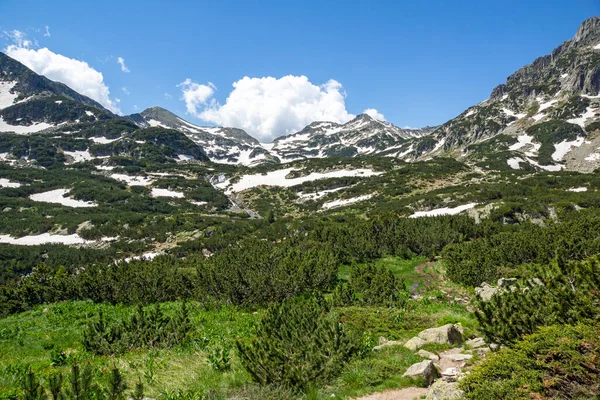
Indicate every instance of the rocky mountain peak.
{"type": "Point", "coordinates": [363, 117]}
{"type": "Point", "coordinates": [588, 32]}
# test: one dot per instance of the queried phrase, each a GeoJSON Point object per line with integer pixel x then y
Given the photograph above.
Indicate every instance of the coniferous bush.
{"type": "Point", "coordinates": [257, 272]}
{"type": "Point", "coordinates": [298, 343]}
{"type": "Point", "coordinates": [145, 329]}
{"type": "Point", "coordinates": [371, 286]}
{"type": "Point", "coordinates": [558, 293]}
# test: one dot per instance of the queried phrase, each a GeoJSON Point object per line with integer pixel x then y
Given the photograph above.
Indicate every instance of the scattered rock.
{"type": "Point", "coordinates": [442, 390]}
{"type": "Point", "coordinates": [415, 343]}
{"type": "Point", "coordinates": [424, 369]}
{"type": "Point", "coordinates": [505, 282]}
{"type": "Point", "coordinates": [494, 346]}
{"type": "Point", "coordinates": [486, 291]}
{"type": "Point", "coordinates": [459, 357]}
{"type": "Point", "coordinates": [46, 310]}
{"type": "Point", "coordinates": [447, 334]}
{"type": "Point", "coordinates": [476, 343]}
{"type": "Point", "coordinates": [482, 351]}
{"type": "Point", "coordinates": [450, 374]}
{"type": "Point", "coordinates": [427, 354]}
{"type": "Point", "coordinates": [381, 340]}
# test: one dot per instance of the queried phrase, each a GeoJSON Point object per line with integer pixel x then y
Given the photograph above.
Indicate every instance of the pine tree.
{"type": "Point", "coordinates": [138, 392]}
{"type": "Point", "coordinates": [298, 343]}
{"type": "Point", "coordinates": [56, 382]}
{"type": "Point", "coordinates": [81, 385]}
{"type": "Point", "coordinates": [116, 385]}
{"type": "Point", "coordinates": [32, 389]}
{"type": "Point", "coordinates": [558, 293]}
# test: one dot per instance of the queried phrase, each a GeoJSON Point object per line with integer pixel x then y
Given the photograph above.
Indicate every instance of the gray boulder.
{"type": "Point", "coordinates": [424, 369]}
{"type": "Point", "coordinates": [429, 355]}
{"type": "Point", "coordinates": [486, 291]}
{"type": "Point", "coordinates": [447, 334]}
{"type": "Point", "coordinates": [476, 343]}
{"type": "Point", "coordinates": [415, 343]}
{"type": "Point", "coordinates": [443, 390]}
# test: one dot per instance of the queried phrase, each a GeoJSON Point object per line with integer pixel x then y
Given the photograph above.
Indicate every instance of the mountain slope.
{"type": "Point", "coordinates": [361, 136]}
{"type": "Point", "coordinates": [550, 107]}
{"type": "Point", "coordinates": [222, 145]}
{"type": "Point", "coordinates": [31, 103]}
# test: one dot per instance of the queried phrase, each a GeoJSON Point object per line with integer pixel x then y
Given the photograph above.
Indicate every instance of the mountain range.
{"type": "Point", "coordinates": [546, 116]}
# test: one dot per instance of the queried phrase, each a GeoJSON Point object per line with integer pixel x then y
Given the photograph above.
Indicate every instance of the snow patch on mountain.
{"type": "Point", "coordinates": [443, 211]}
{"type": "Point", "coordinates": [57, 196]}
{"type": "Point", "coordinates": [132, 180]}
{"type": "Point", "coordinates": [278, 178]}
{"type": "Point", "coordinates": [158, 192]}
{"type": "Point", "coordinates": [345, 202]}
{"type": "Point", "coordinates": [23, 129]}
{"type": "Point", "coordinates": [515, 162]}
{"type": "Point", "coordinates": [562, 148]}
{"type": "Point", "coordinates": [7, 98]}
{"type": "Point", "coordinates": [5, 183]}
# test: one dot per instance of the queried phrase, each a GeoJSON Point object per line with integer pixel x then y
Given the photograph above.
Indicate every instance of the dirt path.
{"type": "Point", "coordinates": [420, 269]}
{"type": "Point", "coordinates": [409, 393]}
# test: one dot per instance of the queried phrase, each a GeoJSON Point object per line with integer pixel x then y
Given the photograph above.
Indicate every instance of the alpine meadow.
{"type": "Point", "coordinates": [299, 255]}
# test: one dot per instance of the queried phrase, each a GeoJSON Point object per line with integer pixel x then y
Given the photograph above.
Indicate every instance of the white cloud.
{"type": "Point", "coordinates": [19, 38]}
{"type": "Point", "coordinates": [168, 96]}
{"type": "Point", "coordinates": [121, 62]}
{"type": "Point", "coordinates": [76, 74]}
{"type": "Point", "coordinates": [269, 107]}
{"type": "Point", "coordinates": [125, 90]}
{"type": "Point", "coordinates": [373, 113]}
{"type": "Point", "coordinates": [47, 34]}
{"type": "Point", "coordinates": [196, 95]}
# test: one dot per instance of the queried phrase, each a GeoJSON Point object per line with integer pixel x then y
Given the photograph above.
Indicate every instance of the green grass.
{"type": "Point", "coordinates": [29, 339]}
{"type": "Point", "coordinates": [401, 267]}
{"type": "Point", "coordinates": [377, 372]}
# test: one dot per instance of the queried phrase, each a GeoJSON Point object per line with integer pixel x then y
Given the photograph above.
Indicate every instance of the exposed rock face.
{"type": "Point", "coordinates": [447, 334]}
{"type": "Point", "coordinates": [442, 390]}
{"type": "Point", "coordinates": [562, 86]}
{"type": "Point", "coordinates": [424, 369]}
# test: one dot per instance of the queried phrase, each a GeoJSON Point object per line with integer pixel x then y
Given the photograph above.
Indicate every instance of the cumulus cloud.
{"type": "Point", "coordinates": [76, 74]}
{"type": "Point", "coordinates": [196, 96]}
{"type": "Point", "coordinates": [373, 113]}
{"type": "Point", "coordinates": [47, 33]}
{"type": "Point", "coordinates": [121, 62]}
{"type": "Point", "coordinates": [268, 107]}
{"type": "Point", "coordinates": [125, 90]}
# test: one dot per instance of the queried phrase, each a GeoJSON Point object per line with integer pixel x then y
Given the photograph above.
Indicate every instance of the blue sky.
{"type": "Point", "coordinates": [416, 63]}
